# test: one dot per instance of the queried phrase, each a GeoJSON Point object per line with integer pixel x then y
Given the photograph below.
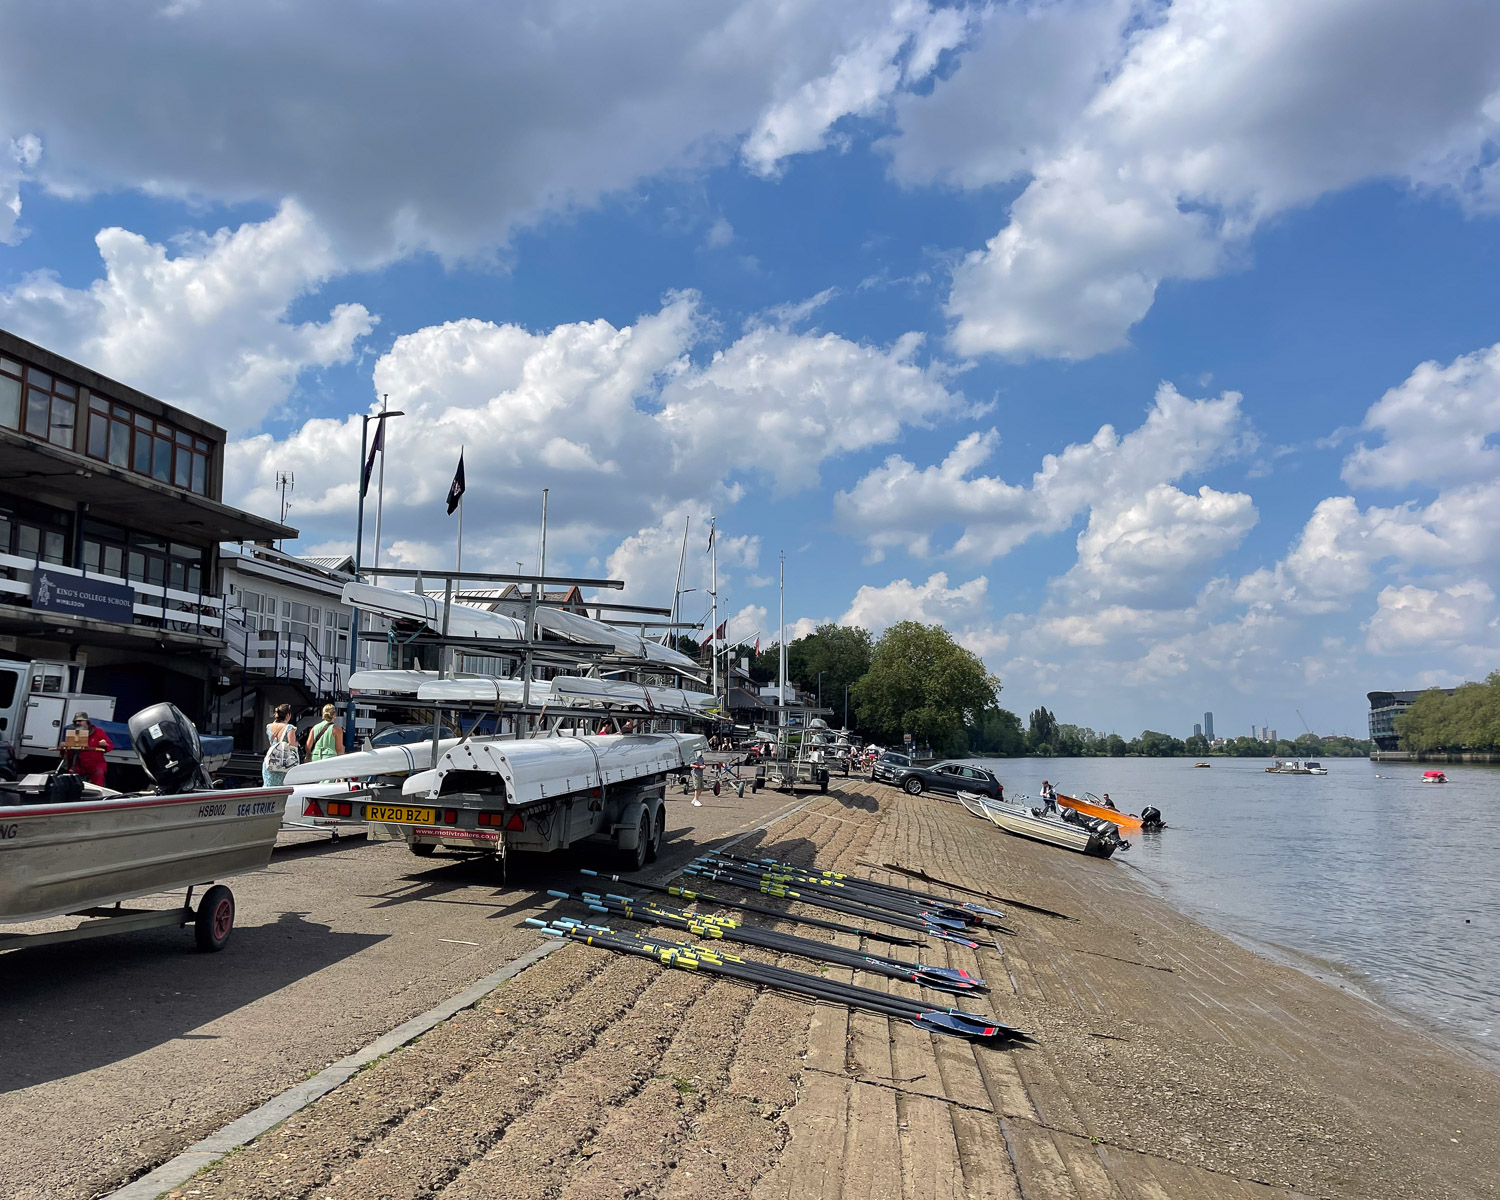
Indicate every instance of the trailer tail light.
{"type": "Point", "coordinates": [340, 808]}
{"type": "Point", "coordinates": [485, 819]}
{"type": "Point", "coordinates": [515, 824]}
{"type": "Point", "coordinates": [450, 816]}
{"type": "Point", "coordinates": [311, 809]}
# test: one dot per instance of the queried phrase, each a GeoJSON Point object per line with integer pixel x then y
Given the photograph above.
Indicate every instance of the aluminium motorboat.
{"type": "Point", "coordinates": [1098, 839]}
{"type": "Point", "coordinates": [99, 848]}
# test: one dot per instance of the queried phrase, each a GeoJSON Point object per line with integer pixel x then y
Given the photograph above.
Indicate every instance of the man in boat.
{"type": "Point", "coordinates": [87, 744]}
{"type": "Point", "coordinates": [1108, 803]}
{"type": "Point", "coordinates": [1049, 797]}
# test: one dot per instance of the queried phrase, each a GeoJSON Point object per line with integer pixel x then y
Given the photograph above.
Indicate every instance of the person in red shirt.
{"type": "Point", "coordinates": [89, 760]}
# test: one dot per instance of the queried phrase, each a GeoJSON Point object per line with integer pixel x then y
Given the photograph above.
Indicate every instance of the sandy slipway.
{"type": "Point", "coordinates": [1170, 1062]}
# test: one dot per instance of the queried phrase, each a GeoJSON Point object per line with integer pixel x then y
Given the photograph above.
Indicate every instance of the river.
{"type": "Point", "coordinates": [1365, 872]}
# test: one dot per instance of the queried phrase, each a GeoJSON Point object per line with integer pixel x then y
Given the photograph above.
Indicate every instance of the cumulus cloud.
{"type": "Point", "coordinates": [931, 602]}
{"type": "Point", "coordinates": [1437, 427]}
{"type": "Point", "coordinates": [400, 132]}
{"type": "Point", "coordinates": [1414, 619]}
{"type": "Point", "coordinates": [900, 504]}
{"type": "Point", "coordinates": [629, 432]}
{"type": "Point", "coordinates": [1152, 149]}
{"type": "Point", "coordinates": [16, 164]}
{"type": "Point", "coordinates": [206, 327]}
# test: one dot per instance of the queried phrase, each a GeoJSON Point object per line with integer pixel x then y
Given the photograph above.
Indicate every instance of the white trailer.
{"type": "Point", "coordinates": [37, 701]}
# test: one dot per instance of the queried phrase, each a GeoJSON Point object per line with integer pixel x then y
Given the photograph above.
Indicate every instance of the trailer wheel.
{"type": "Point", "coordinates": [658, 835]}
{"type": "Point", "coordinates": [636, 859]}
{"type": "Point", "coordinates": [423, 849]}
{"type": "Point", "coordinates": [215, 919]}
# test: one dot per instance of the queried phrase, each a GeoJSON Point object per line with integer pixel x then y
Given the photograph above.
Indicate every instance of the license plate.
{"type": "Point", "coordinates": [399, 814]}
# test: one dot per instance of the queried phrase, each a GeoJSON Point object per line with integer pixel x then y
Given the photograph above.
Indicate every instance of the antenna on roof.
{"type": "Point", "coordinates": [286, 481]}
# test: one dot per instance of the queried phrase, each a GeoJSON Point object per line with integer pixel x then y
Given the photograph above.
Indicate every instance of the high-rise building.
{"type": "Point", "coordinates": [1197, 730]}
{"type": "Point", "coordinates": [1208, 726]}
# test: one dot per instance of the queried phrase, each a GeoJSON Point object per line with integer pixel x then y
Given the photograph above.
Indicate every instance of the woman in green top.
{"type": "Point", "coordinates": [325, 739]}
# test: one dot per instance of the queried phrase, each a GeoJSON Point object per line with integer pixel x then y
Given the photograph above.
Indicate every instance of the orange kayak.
{"type": "Point", "coordinates": [1128, 822]}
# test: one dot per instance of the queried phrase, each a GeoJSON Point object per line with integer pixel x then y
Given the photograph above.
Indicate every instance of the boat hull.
{"type": "Point", "coordinates": [61, 858]}
{"type": "Point", "coordinates": [1127, 822]}
{"type": "Point", "coordinates": [1024, 824]}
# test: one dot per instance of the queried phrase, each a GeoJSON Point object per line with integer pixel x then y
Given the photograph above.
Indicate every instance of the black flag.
{"type": "Point", "coordinates": [375, 448]}
{"type": "Point", "coordinates": [456, 492]}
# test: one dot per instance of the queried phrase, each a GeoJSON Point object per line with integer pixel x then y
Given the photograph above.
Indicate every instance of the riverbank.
{"type": "Point", "coordinates": [1170, 1062]}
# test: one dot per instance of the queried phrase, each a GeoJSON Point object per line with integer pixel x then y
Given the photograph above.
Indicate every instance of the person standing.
{"type": "Point", "coordinates": [326, 738]}
{"type": "Point", "coordinates": [1049, 797]}
{"type": "Point", "coordinates": [698, 768]}
{"type": "Point", "coordinates": [282, 755]}
{"type": "Point", "coordinates": [88, 757]}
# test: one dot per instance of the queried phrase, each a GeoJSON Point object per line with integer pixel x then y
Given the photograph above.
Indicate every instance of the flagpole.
{"type": "Point", "coordinates": [459, 566]}
{"type": "Point", "coordinates": [670, 637]}
{"type": "Point", "coordinates": [541, 558]}
{"type": "Point", "coordinates": [713, 592]}
{"type": "Point", "coordinates": [385, 403]}
{"type": "Point", "coordinates": [781, 619]}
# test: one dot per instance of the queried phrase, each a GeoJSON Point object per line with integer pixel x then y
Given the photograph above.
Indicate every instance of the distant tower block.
{"type": "Point", "coordinates": [1208, 726]}
{"type": "Point", "coordinates": [1197, 730]}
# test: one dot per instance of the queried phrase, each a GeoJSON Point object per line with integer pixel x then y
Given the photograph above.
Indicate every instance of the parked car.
{"type": "Point", "coordinates": [885, 767]}
{"type": "Point", "coordinates": [949, 778]}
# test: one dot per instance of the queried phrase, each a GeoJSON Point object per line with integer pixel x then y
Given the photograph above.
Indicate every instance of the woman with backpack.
{"type": "Point", "coordinates": [282, 756]}
{"type": "Point", "coordinates": [325, 739]}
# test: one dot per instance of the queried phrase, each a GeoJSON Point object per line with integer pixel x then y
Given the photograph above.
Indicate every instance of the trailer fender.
{"type": "Point", "coordinates": [627, 830]}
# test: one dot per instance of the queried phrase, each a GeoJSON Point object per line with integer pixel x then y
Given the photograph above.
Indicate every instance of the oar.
{"type": "Point", "coordinates": [855, 889]}
{"type": "Point", "coordinates": [933, 1017]}
{"type": "Point", "coordinates": [945, 978]}
{"type": "Point", "coordinates": [895, 889]}
{"type": "Point", "coordinates": [763, 909]}
{"type": "Point", "coordinates": [918, 873]}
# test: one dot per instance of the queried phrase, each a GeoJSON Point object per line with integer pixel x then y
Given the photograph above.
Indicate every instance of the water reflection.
{"type": "Point", "coordinates": [1366, 867]}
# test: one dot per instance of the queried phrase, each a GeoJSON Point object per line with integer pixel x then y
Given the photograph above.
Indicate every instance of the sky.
{"type": "Point", "coordinates": [1153, 349]}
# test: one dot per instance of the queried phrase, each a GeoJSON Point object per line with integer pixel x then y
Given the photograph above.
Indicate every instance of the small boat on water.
{"type": "Point", "coordinates": [1434, 777]}
{"type": "Point", "coordinates": [98, 847]}
{"type": "Point", "coordinates": [1098, 839]}
{"type": "Point", "coordinates": [1203, 764]}
{"type": "Point", "coordinates": [1091, 806]}
{"type": "Point", "coordinates": [1293, 766]}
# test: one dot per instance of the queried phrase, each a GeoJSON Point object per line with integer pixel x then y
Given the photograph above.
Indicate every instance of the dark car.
{"type": "Point", "coordinates": [949, 778]}
{"type": "Point", "coordinates": [886, 766]}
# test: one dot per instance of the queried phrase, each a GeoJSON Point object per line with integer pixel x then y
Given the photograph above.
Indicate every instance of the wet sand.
{"type": "Point", "coordinates": [1170, 1062]}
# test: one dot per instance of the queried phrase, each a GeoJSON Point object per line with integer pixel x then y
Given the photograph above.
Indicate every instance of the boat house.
{"type": "Point", "coordinates": [110, 522]}
{"type": "Point", "coordinates": [1385, 707]}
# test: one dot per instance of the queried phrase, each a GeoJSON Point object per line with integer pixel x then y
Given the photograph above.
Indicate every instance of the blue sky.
{"type": "Point", "coordinates": [1153, 349]}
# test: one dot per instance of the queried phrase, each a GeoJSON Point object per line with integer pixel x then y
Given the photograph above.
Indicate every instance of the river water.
{"type": "Point", "coordinates": [1365, 872]}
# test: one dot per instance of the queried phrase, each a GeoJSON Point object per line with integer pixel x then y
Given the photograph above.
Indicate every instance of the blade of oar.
{"type": "Point", "coordinates": [764, 910]}
{"type": "Point", "coordinates": [943, 978]}
{"type": "Point", "coordinates": [918, 873]}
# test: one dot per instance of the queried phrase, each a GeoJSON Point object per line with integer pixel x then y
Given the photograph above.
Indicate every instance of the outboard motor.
{"type": "Point", "coordinates": [166, 742]}
{"type": "Point", "coordinates": [1151, 818]}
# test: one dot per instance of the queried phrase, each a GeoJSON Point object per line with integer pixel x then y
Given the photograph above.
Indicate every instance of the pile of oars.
{"type": "Point", "coordinates": [950, 979]}
{"type": "Point", "coordinates": [923, 1015]}
{"type": "Point", "coordinates": [870, 890]}
{"type": "Point", "coordinates": [681, 893]}
{"type": "Point", "coordinates": [935, 921]}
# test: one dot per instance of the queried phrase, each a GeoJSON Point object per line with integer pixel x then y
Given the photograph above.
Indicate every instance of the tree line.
{"type": "Point", "coordinates": [916, 679]}
{"type": "Point", "coordinates": [1469, 719]}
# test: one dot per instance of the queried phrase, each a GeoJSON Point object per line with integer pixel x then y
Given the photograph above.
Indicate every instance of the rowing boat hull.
{"type": "Point", "coordinates": [1127, 822]}
{"type": "Point", "coordinates": [61, 858]}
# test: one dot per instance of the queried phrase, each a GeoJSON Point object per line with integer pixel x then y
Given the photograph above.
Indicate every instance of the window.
{"type": "Point", "coordinates": [51, 409]}
{"type": "Point", "coordinates": [10, 393]}
{"type": "Point", "coordinates": [135, 442]}
{"type": "Point", "coordinates": [301, 620]}
{"type": "Point", "coordinates": [336, 634]}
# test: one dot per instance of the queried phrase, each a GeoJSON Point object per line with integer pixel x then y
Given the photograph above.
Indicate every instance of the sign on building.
{"type": "Point", "coordinates": [82, 596]}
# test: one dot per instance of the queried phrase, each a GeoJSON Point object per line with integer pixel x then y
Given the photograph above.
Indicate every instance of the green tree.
{"type": "Point", "coordinates": [1115, 746]}
{"type": "Point", "coordinates": [1152, 744]}
{"type": "Point", "coordinates": [840, 652]}
{"type": "Point", "coordinates": [1197, 745]}
{"type": "Point", "coordinates": [1041, 734]}
{"type": "Point", "coordinates": [997, 733]}
{"type": "Point", "coordinates": [922, 682]}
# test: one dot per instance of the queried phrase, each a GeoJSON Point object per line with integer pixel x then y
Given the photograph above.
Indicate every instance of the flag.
{"type": "Point", "coordinates": [376, 447]}
{"type": "Point", "coordinates": [456, 491]}
{"type": "Point", "coordinates": [757, 645]}
{"type": "Point", "coordinates": [719, 632]}
{"type": "Point", "coordinates": [710, 545]}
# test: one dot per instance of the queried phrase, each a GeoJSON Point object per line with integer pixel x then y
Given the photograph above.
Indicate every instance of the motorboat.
{"type": "Point", "coordinates": [1091, 806]}
{"type": "Point", "coordinates": [1293, 766]}
{"type": "Point", "coordinates": [102, 847]}
{"type": "Point", "coordinates": [1315, 768]}
{"type": "Point", "coordinates": [1203, 764]}
{"type": "Point", "coordinates": [1098, 839]}
{"type": "Point", "coordinates": [1434, 777]}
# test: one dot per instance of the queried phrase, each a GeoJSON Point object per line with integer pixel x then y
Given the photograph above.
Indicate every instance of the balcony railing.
{"type": "Point", "coordinates": [272, 654]}
{"type": "Point", "coordinates": [170, 608]}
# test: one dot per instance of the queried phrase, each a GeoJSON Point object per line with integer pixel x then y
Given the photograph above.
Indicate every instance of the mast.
{"type": "Point", "coordinates": [781, 642]}
{"type": "Point", "coordinates": [670, 637]}
{"type": "Point", "coordinates": [541, 558]}
{"type": "Point", "coordinates": [713, 592]}
{"type": "Point", "coordinates": [385, 404]}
